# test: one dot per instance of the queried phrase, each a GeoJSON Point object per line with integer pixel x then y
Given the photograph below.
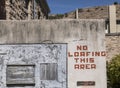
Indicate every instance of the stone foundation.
{"type": "Point", "coordinates": [112, 45]}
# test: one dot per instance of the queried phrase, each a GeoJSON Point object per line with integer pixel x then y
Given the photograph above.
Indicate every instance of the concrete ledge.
{"type": "Point", "coordinates": [112, 34]}
{"type": "Point", "coordinates": [50, 31]}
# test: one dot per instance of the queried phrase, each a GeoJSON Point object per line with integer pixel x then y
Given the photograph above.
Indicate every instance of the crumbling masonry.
{"type": "Point", "coordinates": [23, 9]}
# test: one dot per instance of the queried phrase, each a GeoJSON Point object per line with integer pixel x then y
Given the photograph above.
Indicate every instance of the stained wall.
{"type": "Point", "coordinates": [72, 33]}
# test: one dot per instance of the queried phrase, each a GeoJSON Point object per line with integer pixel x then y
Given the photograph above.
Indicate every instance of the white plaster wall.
{"type": "Point", "coordinates": [35, 54]}
{"type": "Point", "coordinates": [93, 37]}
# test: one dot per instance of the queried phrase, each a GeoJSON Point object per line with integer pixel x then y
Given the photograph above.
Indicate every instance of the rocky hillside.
{"type": "Point", "coordinates": [98, 12]}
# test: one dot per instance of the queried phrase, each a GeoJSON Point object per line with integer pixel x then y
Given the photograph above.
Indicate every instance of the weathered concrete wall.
{"type": "Point", "coordinates": [56, 31]}
{"type": "Point", "coordinates": [33, 66]}
{"type": "Point", "coordinates": [89, 33]}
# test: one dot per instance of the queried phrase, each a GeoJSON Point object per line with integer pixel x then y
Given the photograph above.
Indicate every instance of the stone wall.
{"type": "Point", "coordinates": [112, 45]}
{"type": "Point", "coordinates": [118, 11]}
{"type": "Point", "coordinates": [16, 10]}
{"type": "Point", "coordinates": [24, 9]}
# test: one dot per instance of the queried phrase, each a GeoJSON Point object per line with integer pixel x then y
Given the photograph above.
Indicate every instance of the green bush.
{"type": "Point", "coordinates": [113, 72]}
{"type": "Point", "coordinates": [57, 16]}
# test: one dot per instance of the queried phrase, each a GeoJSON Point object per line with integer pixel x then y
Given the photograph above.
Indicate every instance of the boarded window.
{"type": "Point", "coordinates": [20, 75]}
{"type": "Point", "coordinates": [48, 71]}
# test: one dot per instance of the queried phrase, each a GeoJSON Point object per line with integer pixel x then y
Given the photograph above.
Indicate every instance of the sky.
{"type": "Point", "coordinates": [64, 6]}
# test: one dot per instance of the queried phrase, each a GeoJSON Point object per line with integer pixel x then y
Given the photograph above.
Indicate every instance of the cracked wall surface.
{"type": "Point", "coordinates": [69, 31]}
{"type": "Point", "coordinates": [19, 59]}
